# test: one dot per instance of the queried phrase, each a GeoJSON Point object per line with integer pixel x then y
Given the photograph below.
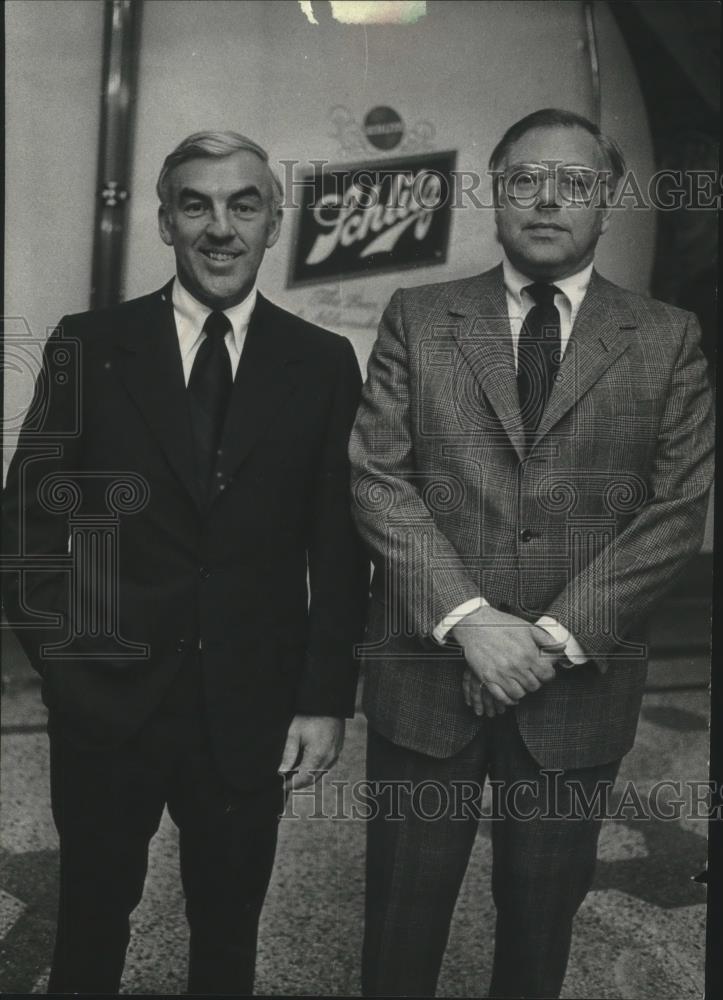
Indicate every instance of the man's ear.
{"type": "Point", "coordinates": [164, 227]}
{"type": "Point", "coordinates": [608, 190]}
{"type": "Point", "coordinates": [274, 228]}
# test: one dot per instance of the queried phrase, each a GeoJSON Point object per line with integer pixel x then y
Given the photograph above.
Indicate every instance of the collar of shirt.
{"type": "Point", "coordinates": [190, 315]}
{"type": "Point", "coordinates": [568, 302]}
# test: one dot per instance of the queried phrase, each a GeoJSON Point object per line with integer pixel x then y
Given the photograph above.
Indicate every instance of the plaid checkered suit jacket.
{"type": "Point", "coordinates": [590, 524]}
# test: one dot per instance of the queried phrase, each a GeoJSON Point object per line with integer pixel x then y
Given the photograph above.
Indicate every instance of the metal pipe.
{"type": "Point", "coordinates": [591, 46]}
{"type": "Point", "coordinates": [121, 35]}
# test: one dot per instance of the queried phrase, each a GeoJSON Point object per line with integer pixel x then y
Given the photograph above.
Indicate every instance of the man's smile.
{"type": "Point", "coordinates": [220, 256]}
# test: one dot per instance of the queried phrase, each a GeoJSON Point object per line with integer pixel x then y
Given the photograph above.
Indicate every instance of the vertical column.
{"type": "Point", "coordinates": [121, 39]}
{"type": "Point", "coordinates": [94, 599]}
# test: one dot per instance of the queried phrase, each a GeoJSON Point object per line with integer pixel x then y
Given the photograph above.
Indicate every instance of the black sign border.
{"type": "Point", "coordinates": [375, 164]}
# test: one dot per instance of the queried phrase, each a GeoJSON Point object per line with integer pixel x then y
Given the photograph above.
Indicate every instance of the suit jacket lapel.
{"type": "Point", "coordinates": [483, 334]}
{"type": "Point", "coordinates": [150, 367]}
{"type": "Point", "coordinates": [598, 338]}
{"type": "Point", "coordinates": [265, 376]}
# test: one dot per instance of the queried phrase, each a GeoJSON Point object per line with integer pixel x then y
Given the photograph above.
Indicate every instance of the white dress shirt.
{"type": "Point", "coordinates": [190, 315]}
{"type": "Point", "coordinates": [519, 302]}
{"type": "Point", "coordinates": [568, 301]}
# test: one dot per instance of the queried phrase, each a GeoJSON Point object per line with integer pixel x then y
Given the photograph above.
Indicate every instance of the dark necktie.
{"type": "Point", "coordinates": [209, 391]}
{"type": "Point", "coordinates": [538, 354]}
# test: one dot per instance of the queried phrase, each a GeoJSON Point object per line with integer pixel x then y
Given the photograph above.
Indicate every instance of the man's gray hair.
{"type": "Point", "coordinates": [216, 144]}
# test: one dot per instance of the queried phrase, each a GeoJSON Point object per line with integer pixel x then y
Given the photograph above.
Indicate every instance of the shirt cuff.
{"type": "Point", "coordinates": [573, 650]}
{"type": "Point", "coordinates": [456, 616]}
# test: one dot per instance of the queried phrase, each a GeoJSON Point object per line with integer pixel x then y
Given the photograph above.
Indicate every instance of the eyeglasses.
{"type": "Point", "coordinates": [523, 182]}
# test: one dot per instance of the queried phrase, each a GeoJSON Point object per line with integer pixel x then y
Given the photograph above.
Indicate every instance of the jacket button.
{"type": "Point", "coordinates": [527, 534]}
{"type": "Point", "coordinates": [181, 645]}
{"type": "Point", "coordinates": [204, 573]}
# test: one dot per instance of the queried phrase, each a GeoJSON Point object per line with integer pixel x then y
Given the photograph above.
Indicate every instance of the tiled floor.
{"type": "Point", "coordinates": [639, 934]}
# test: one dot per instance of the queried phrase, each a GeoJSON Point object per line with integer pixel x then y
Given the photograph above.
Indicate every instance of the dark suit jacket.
{"type": "Point", "coordinates": [591, 526]}
{"type": "Point", "coordinates": [111, 407]}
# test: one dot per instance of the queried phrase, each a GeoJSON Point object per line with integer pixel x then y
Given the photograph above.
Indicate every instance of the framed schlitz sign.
{"type": "Point", "coordinates": [357, 219]}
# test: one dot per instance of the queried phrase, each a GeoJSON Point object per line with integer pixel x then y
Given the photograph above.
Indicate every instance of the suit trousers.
{"type": "Point", "coordinates": [544, 844]}
{"type": "Point", "coordinates": [107, 804]}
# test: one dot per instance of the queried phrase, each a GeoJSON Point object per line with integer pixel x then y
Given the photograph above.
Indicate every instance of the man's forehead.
{"type": "Point", "coordinates": [216, 175]}
{"type": "Point", "coordinates": [555, 144]}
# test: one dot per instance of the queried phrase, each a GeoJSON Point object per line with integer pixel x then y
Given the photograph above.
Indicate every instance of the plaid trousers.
{"type": "Point", "coordinates": [544, 851]}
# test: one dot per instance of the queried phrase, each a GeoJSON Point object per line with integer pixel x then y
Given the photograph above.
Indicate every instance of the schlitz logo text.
{"type": "Point", "coordinates": [369, 218]}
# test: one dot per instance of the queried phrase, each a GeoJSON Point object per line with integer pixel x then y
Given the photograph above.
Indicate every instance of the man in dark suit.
{"type": "Point", "coordinates": [187, 450]}
{"type": "Point", "coordinates": [531, 462]}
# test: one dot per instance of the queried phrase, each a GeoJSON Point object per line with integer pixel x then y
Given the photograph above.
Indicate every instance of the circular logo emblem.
{"type": "Point", "coordinates": [383, 128]}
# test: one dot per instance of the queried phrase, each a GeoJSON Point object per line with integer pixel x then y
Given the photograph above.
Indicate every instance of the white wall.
{"type": "Point", "coordinates": [53, 56]}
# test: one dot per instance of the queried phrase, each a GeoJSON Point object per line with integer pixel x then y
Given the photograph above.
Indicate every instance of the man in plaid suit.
{"type": "Point", "coordinates": [532, 458]}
